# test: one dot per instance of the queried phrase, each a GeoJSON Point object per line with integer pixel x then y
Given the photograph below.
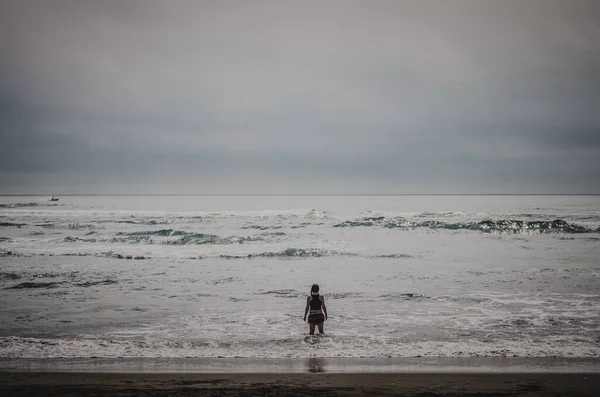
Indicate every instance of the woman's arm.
{"type": "Point", "coordinates": [324, 307]}
{"type": "Point", "coordinates": [307, 307]}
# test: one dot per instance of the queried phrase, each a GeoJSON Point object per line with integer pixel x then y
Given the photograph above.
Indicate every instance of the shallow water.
{"type": "Point", "coordinates": [209, 276]}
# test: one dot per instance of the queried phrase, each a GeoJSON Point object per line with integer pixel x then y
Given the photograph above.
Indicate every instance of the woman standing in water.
{"type": "Point", "coordinates": [318, 312]}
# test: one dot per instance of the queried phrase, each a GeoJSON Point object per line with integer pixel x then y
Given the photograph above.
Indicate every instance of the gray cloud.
{"type": "Point", "coordinates": [277, 96]}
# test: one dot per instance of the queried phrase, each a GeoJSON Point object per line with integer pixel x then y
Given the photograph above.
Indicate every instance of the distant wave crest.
{"type": "Point", "coordinates": [10, 224]}
{"type": "Point", "coordinates": [31, 284]}
{"type": "Point", "coordinates": [291, 253]}
{"type": "Point", "coordinates": [486, 226]}
{"type": "Point", "coordinates": [404, 296]}
{"type": "Point", "coordinates": [18, 205]}
{"type": "Point", "coordinates": [10, 276]}
{"type": "Point", "coordinates": [25, 205]}
{"type": "Point", "coordinates": [54, 284]}
{"type": "Point", "coordinates": [167, 237]}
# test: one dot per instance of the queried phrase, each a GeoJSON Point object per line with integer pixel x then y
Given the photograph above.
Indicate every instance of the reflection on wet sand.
{"type": "Point", "coordinates": [315, 365]}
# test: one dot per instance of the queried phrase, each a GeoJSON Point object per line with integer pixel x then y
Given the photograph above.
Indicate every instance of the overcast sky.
{"type": "Point", "coordinates": [447, 96]}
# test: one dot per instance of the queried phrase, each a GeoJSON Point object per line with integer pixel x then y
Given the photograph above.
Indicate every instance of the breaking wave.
{"type": "Point", "coordinates": [31, 285]}
{"type": "Point", "coordinates": [95, 283]}
{"type": "Point", "coordinates": [291, 253]}
{"type": "Point", "coordinates": [261, 227]}
{"type": "Point", "coordinates": [25, 205]}
{"type": "Point", "coordinates": [283, 293]}
{"type": "Point", "coordinates": [50, 284]}
{"type": "Point", "coordinates": [18, 205]}
{"type": "Point", "coordinates": [114, 255]}
{"type": "Point", "coordinates": [167, 237]}
{"type": "Point", "coordinates": [486, 226]}
{"type": "Point", "coordinates": [393, 256]}
{"type": "Point", "coordinates": [10, 276]}
{"type": "Point", "coordinates": [5, 253]}
{"type": "Point", "coordinates": [70, 226]}
{"type": "Point", "coordinates": [291, 293]}
{"type": "Point", "coordinates": [10, 224]}
{"type": "Point", "coordinates": [427, 214]}
{"type": "Point", "coordinates": [404, 296]}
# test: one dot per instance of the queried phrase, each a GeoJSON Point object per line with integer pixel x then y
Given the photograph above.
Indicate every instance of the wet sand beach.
{"type": "Point", "coordinates": [294, 384]}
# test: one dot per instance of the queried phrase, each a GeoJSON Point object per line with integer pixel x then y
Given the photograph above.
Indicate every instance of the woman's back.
{"type": "Point", "coordinates": [315, 302]}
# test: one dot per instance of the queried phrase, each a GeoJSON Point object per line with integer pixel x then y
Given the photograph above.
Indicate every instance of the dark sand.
{"type": "Point", "coordinates": [307, 384]}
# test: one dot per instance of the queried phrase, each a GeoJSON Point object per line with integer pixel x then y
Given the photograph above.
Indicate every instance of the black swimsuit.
{"type": "Point", "coordinates": [315, 304]}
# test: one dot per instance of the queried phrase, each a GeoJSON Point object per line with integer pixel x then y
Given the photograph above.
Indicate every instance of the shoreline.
{"type": "Point", "coordinates": [467, 365]}
{"type": "Point", "coordinates": [296, 384]}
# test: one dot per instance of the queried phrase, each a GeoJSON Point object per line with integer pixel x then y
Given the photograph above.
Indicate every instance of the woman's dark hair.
{"type": "Point", "coordinates": [314, 288]}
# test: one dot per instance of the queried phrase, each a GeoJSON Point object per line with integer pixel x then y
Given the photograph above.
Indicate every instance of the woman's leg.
{"type": "Point", "coordinates": [312, 329]}
{"type": "Point", "coordinates": [320, 328]}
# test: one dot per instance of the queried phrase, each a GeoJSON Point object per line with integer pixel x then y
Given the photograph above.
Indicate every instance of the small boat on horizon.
{"type": "Point", "coordinates": [53, 198]}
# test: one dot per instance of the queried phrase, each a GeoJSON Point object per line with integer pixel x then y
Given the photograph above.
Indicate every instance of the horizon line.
{"type": "Point", "coordinates": [294, 194]}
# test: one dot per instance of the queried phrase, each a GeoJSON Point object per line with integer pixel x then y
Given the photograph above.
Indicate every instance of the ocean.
{"type": "Point", "coordinates": [228, 276]}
